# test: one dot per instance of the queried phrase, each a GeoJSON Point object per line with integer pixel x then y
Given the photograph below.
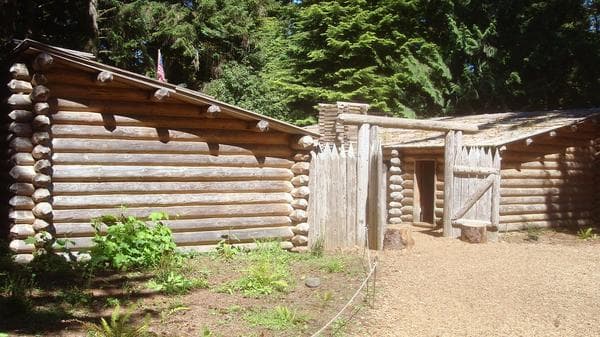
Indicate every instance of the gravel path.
{"type": "Point", "coordinates": [446, 287]}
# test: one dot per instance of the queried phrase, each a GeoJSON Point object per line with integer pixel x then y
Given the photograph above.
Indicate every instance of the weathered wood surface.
{"type": "Point", "coordinates": [449, 155]}
{"type": "Point", "coordinates": [19, 71]}
{"type": "Point", "coordinates": [89, 188]}
{"type": "Point", "coordinates": [160, 159]}
{"type": "Point", "coordinates": [192, 225]}
{"type": "Point", "coordinates": [330, 211]}
{"type": "Point", "coordinates": [89, 173]}
{"type": "Point", "coordinates": [180, 212]}
{"type": "Point", "coordinates": [166, 135]}
{"type": "Point", "coordinates": [174, 147]}
{"type": "Point", "coordinates": [160, 200]}
{"type": "Point", "coordinates": [404, 123]}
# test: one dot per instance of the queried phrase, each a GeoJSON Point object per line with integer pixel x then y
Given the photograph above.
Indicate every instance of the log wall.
{"type": "Point", "coordinates": [95, 145]}
{"type": "Point", "coordinates": [545, 184]}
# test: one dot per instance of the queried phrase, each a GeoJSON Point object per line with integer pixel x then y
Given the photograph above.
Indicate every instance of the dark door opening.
{"type": "Point", "coordinates": [424, 202]}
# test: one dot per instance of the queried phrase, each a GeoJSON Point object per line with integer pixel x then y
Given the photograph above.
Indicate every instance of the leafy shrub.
{"type": "Point", "coordinates": [130, 243]}
{"type": "Point", "coordinates": [119, 326]}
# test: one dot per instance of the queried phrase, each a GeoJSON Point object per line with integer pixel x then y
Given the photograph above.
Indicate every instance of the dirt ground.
{"type": "Point", "coordinates": [516, 287]}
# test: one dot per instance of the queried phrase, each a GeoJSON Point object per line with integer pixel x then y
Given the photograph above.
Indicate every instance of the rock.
{"type": "Point", "coordinates": [300, 240]}
{"type": "Point", "coordinates": [473, 234]}
{"type": "Point", "coordinates": [312, 282]}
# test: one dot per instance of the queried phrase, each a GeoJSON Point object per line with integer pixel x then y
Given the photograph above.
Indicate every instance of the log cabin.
{"type": "Point", "coordinates": [546, 163]}
{"type": "Point", "coordinates": [83, 139]}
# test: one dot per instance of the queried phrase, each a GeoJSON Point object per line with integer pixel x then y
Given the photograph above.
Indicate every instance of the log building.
{"type": "Point", "coordinates": [81, 139]}
{"type": "Point", "coordinates": [549, 173]}
{"type": "Point", "coordinates": [548, 166]}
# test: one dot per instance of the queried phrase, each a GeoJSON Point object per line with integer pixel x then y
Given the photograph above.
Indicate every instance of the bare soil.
{"type": "Point", "coordinates": [549, 286]}
{"type": "Point", "coordinates": [201, 310]}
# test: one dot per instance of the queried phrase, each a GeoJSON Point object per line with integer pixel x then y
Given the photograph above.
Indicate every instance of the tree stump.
{"type": "Point", "coordinates": [474, 233]}
{"type": "Point", "coordinates": [398, 237]}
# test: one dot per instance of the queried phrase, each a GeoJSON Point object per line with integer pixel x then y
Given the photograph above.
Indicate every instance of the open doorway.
{"type": "Point", "coordinates": [424, 193]}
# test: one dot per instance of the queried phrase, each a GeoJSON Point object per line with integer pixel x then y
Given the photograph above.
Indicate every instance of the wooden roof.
{"type": "Point", "coordinates": [83, 61]}
{"type": "Point", "coordinates": [495, 129]}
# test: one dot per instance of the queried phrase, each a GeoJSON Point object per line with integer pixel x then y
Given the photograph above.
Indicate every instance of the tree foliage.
{"type": "Point", "coordinates": [405, 57]}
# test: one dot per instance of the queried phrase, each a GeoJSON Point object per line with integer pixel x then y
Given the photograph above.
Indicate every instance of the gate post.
{"type": "Point", "coordinates": [362, 181]}
{"type": "Point", "coordinates": [449, 152]}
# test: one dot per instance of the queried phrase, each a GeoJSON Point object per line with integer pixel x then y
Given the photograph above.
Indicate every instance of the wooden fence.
{"type": "Point", "coordinates": [349, 193]}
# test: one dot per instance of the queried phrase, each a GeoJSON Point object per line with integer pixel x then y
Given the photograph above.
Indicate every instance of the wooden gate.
{"type": "Point", "coordinates": [347, 203]}
{"type": "Point", "coordinates": [471, 186]}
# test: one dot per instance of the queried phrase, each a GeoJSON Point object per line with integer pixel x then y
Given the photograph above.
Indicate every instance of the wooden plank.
{"type": "Point", "coordinates": [467, 170]}
{"type": "Point", "coordinates": [362, 182]}
{"type": "Point", "coordinates": [449, 154]}
{"type": "Point", "coordinates": [313, 232]}
{"type": "Point", "coordinates": [351, 196]}
{"type": "Point", "coordinates": [495, 207]}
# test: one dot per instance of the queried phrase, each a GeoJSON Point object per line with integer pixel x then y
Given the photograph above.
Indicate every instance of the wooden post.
{"type": "Point", "coordinates": [449, 153]}
{"type": "Point", "coordinates": [362, 182]}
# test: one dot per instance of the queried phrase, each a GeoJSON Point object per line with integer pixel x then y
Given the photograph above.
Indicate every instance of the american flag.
{"type": "Point", "coordinates": [160, 70]}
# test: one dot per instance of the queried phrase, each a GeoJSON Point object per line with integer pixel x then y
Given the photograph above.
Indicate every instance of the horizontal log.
{"type": "Point", "coordinates": [60, 188]}
{"type": "Point", "coordinates": [86, 173]}
{"type": "Point", "coordinates": [395, 187]}
{"type": "Point", "coordinates": [546, 199]}
{"type": "Point", "coordinates": [100, 92]}
{"type": "Point", "coordinates": [40, 225]}
{"type": "Point", "coordinates": [398, 212]}
{"type": "Point", "coordinates": [41, 122]}
{"type": "Point", "coordinates": [211, 237]}
{"type": "Point", "coordinates": [535, 173]}
{"type": "Point", "coordinates": [19, 71]}
{"type": "Point", "coordinates": [244, 246]}
{"type": "Point", "coordinates": [21, 217]}
{"type": "Point", "coordinates": [42, 62]}
{"type": "Point", "coordinates": [148, 146]}
{"type": "Point", "coordinates": [21, 144]}
{"type": "Point", "coordinates": [125, 108]}
{"type": "Point", "coordinates": [541, 183]}
{"type": "Point", "coordinates": [395, 220]}
{"type": "Point", "coordinates": [42, 108]}
{"type": "Point", "coordinates": [544, 149]}
{"type": "Point", "coordinates": [22, 174]}
{"type": "Point", "coordinates": [40, 93]}
{"type": "Point", "coordinates": [160, 200]}
{"type": "Point", "coordinates": [191, 225]}
{"type": "Point", "coordinates": [301, 156]}
{"type": "Point", "coordinates": [302, 143]}
{"type": "Point", "coordinates": [115, 120]}
{"type": "Point", "coordinates": [405, 123]}
{"type": "Point", "coordinates": [21, 115]}
{"type": "Point", "coordinates": [547, 191]}
{"type": "Point", "coordinates": [20, 246]}
{"type": "Point", "coordinates": [545, 216]}
{"type": "Point", "coordinates": [178, 212]}
{"type": "Point", "coordinates": [547, 165]}
{"type": "Point", "coordinates": [141, 159]}
{"type": "Point", "coordinates": [532, 157]}
{"type": "Point", "coordinates": [516, 226]}
{"type": "Point", "coordinates": [540, 208]}
{"type": "Point", "coordinates": [461, 169]}
{"type": "Point", "coordinates": [21, 231]}
{"type": "Point", "coordinates": [43, 166]}
{"type": "Point", "coordinates": [395, 170]}
{"type": "Point", "coordinates": [22, 159]}
{"type": "Point", "coordinates": [19, 86]}
{"type": "Point", "coordinates": [21, 202]}
{"type": "Point", "coordinates": [39, 79]}
{"type": "Point", "coordinates": [407, 217]}
{"type": "Point", "coordinates": [41, 152]}
{"type": "Point", "coordinates": [166, 135]}
{"type": "Point", "coordinates": [25, 189]}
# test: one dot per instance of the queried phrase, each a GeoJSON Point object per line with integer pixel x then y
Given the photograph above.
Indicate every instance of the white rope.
{"type": "Point", "coordinates": [372, 268]}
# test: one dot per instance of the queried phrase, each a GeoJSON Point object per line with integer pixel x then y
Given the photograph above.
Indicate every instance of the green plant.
{"type": "Point", "coordinates": [176, 283]}
{"type": "Point", "coordinates": [119, 326]}
{"type": "Point", "coordinates": [75, 296]}
{"type": "Point", "coordinates": [278, 318]}
{"type": "Point", "coordinates": [172, 309]}
{"type": "Point", "coordinates": [130, 243]}
{"type": "Point", "coordinates": [586, 234]}
{"type": "Point", "coordinates": [317, 247]}
{"type": "Point", "coordinates": [533, 233]}
{"type": "Point", "coordinates": [112, 302]}
{"type": "Point", "coordinates": [225, 251]}
{"type": "Point", "coordinates": [333, 265]}
{"type": "Point", "coordinates": [325, 297]}
{"type": "Point", "coordinates": [338, 327]}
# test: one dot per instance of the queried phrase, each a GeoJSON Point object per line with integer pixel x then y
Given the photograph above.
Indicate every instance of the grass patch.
{"type": "Point", "coordinates": [278, 318]}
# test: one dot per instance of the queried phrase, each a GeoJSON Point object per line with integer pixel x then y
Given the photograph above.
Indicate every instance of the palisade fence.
{"type": "Point", "coordinates": [349, 193]}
